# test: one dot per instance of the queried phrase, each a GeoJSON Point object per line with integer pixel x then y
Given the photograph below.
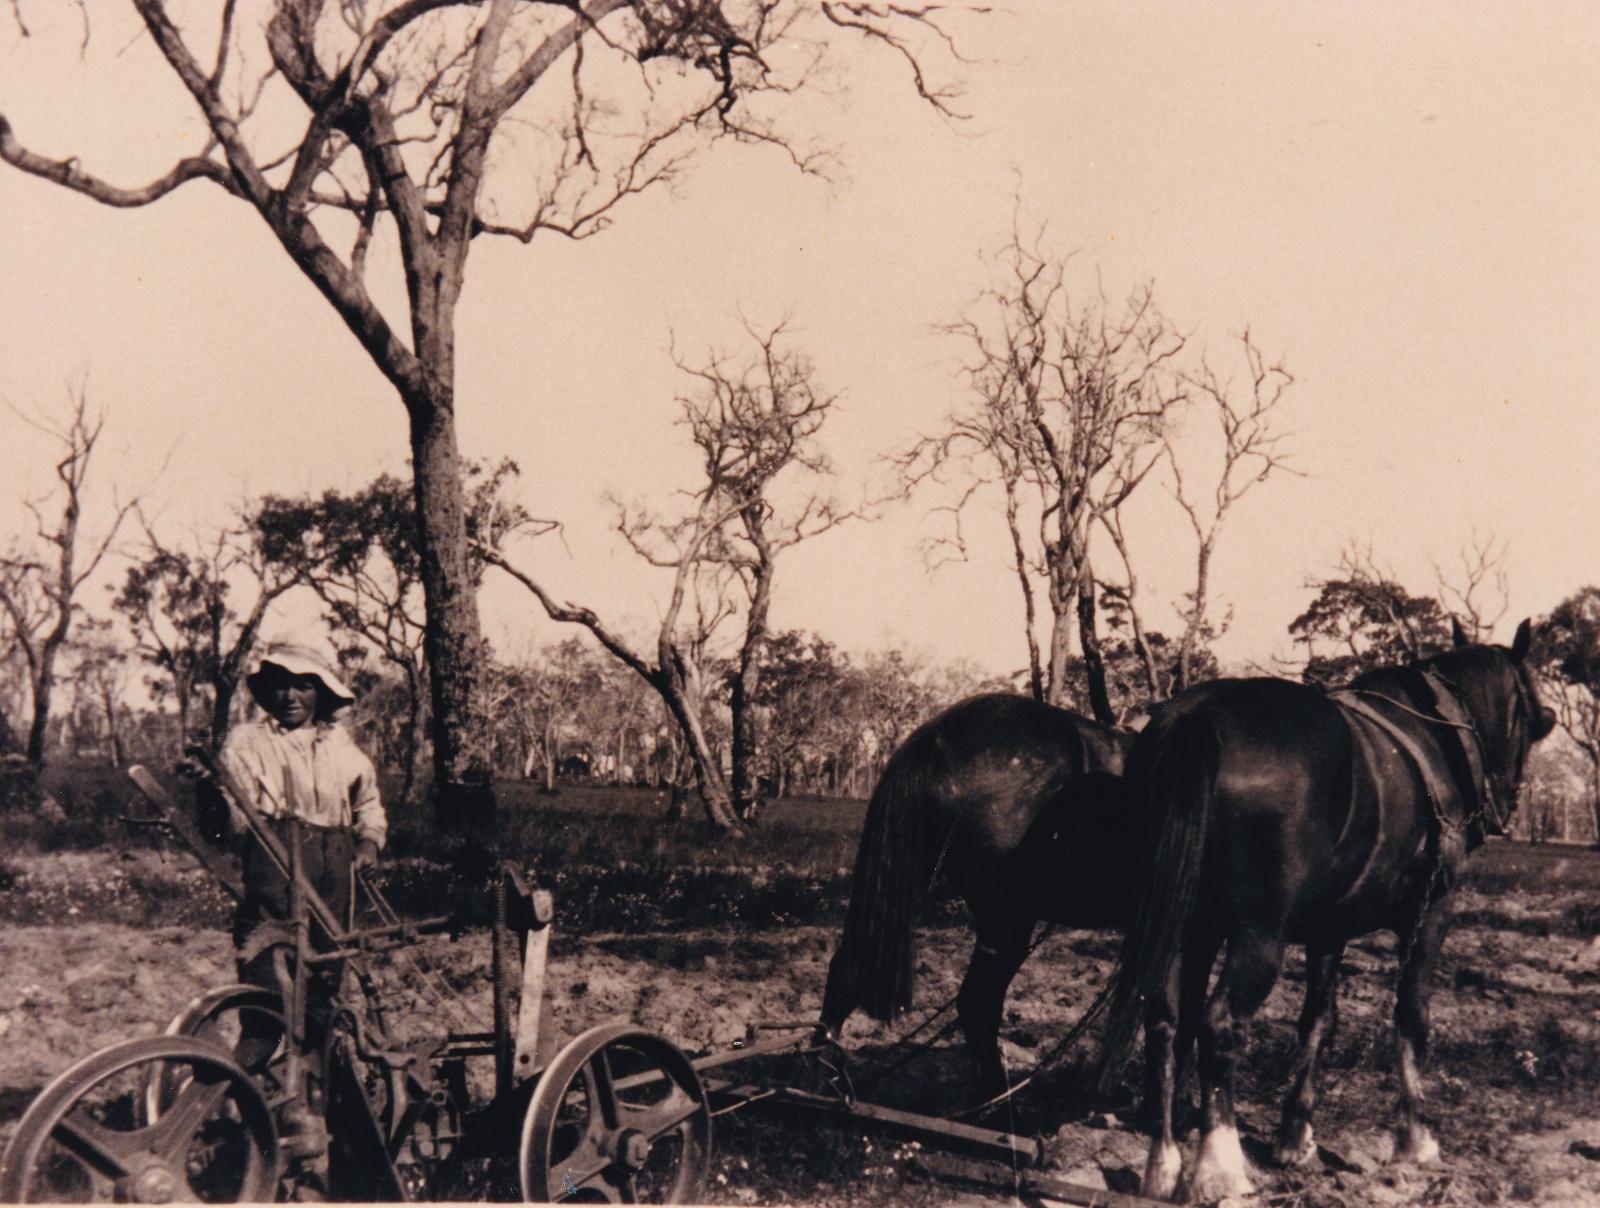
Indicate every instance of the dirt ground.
{"type": "Point", "coordinates": [1513, 1077]}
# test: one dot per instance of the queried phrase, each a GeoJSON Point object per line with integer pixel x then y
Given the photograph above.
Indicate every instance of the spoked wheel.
{"type": "Point", "coordinates": [83, 1138]}
{"type": "Point", "coordinates": [619, 1117]}
{"type": "Point", "coordinates": [248, 1021]}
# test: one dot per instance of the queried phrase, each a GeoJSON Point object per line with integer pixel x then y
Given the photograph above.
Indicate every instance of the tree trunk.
{"type": "Point", "coordinates": [1197, 617]}
{"type": "Point", "coordinates": [43, 690]}
{"type": "Point", "coordinates": [1094, 664]}
{"type": "Point", "coordinates": [463, 792]}
{"type": "Point", "coordinates": [1063, 597]}
{"type": "Point", "coordinates": [551, 755]}
{"type": "Point", "coordinates": [744, 743]}
{"type": "Point", "coordinates": [222, 710]}
{"type": "Point", "coordinates": [708, 776]}
{"type": "Point", "coordinates": [746, 789]}
{"type": "Point", "coordinates": [1055, 692]}
{"type": "Point", "coordinates": [113, 730]}
{"type": "Point", "coordinates": [411, 742]}
{"type": "Point", "coordinates": [1020, 558]}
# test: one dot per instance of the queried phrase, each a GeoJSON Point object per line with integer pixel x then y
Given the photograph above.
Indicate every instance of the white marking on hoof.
{"type": "Point", "coordinates": [1300, 1153]}
{"type": "Point", "coordinates": [1220, 1171]}
{"type": "Point", "coordinates": [1416, 1147]}
{"type": "Point", "coordinates": [1161, 1170]}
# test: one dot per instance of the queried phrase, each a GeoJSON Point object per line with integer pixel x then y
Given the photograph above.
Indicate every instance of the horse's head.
{"type": "Point", "coordinates": [1495, 685]}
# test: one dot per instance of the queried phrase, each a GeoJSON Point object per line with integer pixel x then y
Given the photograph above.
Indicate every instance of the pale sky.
{"type": "Point", "coordinates": [1400, 199]}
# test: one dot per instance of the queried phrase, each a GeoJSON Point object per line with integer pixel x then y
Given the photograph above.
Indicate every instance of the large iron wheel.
{"type": "Point", "coordinates": [619, 1117]}
{"type": "Point", "coordinates": [84, 1138]}
{"type": "Point", "coordinates": [248, 1021]}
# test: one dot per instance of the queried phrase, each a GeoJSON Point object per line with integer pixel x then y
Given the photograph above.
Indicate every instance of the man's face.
{"type": "Point", "coordinates": [292, 699]}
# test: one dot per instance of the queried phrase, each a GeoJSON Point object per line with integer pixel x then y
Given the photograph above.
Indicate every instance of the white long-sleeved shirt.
{"type": "Point", "coordinates": [315, 773]}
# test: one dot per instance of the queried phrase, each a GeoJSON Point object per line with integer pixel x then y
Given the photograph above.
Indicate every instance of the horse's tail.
{"type": "Point", "coordinates": [874, 967]}
{"type": "Point", "coordinates": [1176, 810]}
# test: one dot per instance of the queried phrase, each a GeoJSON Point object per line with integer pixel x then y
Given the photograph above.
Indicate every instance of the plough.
{"type": "Point", "coordinates": [247, 1097]}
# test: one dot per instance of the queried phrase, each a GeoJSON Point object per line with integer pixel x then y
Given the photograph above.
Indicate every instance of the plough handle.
{"type": "Point", "coordinates": [220, 865]}
{"type": "Point", "coordinates": [217, 863]}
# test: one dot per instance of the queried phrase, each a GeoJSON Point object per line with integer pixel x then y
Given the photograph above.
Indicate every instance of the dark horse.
{"type": "Point", "coordinates": [1016, 803]}
{"type": "Point", "coordinates": [1275, 813]}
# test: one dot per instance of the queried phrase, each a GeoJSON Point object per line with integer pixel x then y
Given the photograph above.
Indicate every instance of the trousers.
{"type": "Point", "coordinates": [327, 855]}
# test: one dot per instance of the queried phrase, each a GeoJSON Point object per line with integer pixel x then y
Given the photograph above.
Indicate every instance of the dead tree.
{"type": "Point", "coordinates": [1246, 416]}
{"type": "Point", "coordinates": [1478, 595]}
{"type": "Point", "coordinates": [436, 123]}
{"type": "Point", "coordinates": [754, 425]}
{"type": "Point", "coordinates": [42, 573]}
{"type": "Point", "coordinates": [1068, 399]}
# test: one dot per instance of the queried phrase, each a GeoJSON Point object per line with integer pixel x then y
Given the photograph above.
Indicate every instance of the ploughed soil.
{"type": "Point", "coordinates": [1514, 1077]}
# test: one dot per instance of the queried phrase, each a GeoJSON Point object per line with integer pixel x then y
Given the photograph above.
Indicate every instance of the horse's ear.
{"type": "Point", "coordinates": [1458, 635]}
{"type": "Point", "coordinates": [1523, 640]}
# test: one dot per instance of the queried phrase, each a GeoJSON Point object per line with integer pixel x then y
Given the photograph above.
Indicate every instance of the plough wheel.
{"type": "Point", "coordinates": [619, 1117]}
{"type": "Point", "coordinates": [245, 1020]}
{"type": "Point", "coordinates": [83, 1138]}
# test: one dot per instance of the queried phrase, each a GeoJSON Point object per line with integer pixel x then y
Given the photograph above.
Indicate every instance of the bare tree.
{"type": "Point", "coordinates": [754, 425]}
{"type": "Point", "coordinates": [1478, 594]}
{"type": "Point", "coordinates": [443, 121]}
{"type": "Point", "coordinates": [1252, 451]}
{"type": "Point", "coordinates": [1067, 403]}
{"type": "Point", "coordinates": [42, 573]}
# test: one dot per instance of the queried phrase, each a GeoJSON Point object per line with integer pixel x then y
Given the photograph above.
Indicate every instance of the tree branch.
{"type": "Point", "coordinates": [68, 174]}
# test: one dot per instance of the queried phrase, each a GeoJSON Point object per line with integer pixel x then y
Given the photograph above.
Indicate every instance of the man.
{"type": "Point", "coordinates": [298, 762]}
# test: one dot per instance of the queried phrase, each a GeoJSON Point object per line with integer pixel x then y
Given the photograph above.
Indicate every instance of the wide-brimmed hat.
{"type": "Point", "coordinates": [299, 659]}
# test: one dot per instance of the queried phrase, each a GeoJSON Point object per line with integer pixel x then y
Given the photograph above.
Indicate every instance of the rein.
{"type": "Point", "coordinates": [1417, 713]}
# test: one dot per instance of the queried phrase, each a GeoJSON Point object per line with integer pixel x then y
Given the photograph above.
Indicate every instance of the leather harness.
{"type": "Point", "coordinates": [1448, 713]}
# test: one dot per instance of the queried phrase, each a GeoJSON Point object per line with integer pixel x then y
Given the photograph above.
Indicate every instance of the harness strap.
{"type": "Point", "coordinates": [1450, 709]}
{"type": "Point", "coordinates": [1439, 791]}
{"type": "Point", "coordinates": [1468, 760]}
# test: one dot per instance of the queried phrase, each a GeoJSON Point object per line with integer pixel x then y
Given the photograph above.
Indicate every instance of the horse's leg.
{"type": "Point", "coordinates": [1198, 956]}
{"type": "Point", "coordinates": [1419, 953]}
{"type": "Point", "coordinates": [1162, 1045]}
{"type": "Point", "coordinates": [1318, 1020]}
{"type": "Point", "coordinates": [1248, 973]}
{"type": "Point", "coordinates": [1001, 947]}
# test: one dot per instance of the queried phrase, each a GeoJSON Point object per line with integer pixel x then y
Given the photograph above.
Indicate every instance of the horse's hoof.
{"type": "Point", "coordinates": [1161, 1171]}
{"type": "Point", "coordinates": [1220, 1172]}
{"type": "Point", "coordinates": [1291, 1152]}
{"type": "Point", "coordinates": [1416, 1147]}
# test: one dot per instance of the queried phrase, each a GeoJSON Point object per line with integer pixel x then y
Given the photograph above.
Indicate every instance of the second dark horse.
{"type": "Point", "coordinates": [1015, 802]}
{"type": "Point", "coordinates": [1278, 814]}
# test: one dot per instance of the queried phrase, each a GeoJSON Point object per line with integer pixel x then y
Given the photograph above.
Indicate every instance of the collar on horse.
{"type": "Point", "coordinates": [1472, 782]}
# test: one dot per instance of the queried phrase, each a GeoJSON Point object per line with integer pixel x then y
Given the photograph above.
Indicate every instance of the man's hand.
{"type": "Point", "coordinates": [366, 854]}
